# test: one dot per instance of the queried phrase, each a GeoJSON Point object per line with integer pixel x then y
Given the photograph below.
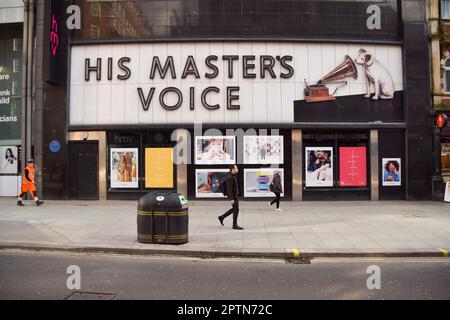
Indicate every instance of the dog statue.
{"type": "Point", "coordinates": [378, 74]}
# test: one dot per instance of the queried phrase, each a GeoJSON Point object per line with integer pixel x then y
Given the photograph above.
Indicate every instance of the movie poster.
{"type": "Point", "coordinates": [215, 150]}
{"type": "Point", "coordinates": [208, 183]}
{"type": "Point", "coordinates": [263, 149]}
{"type": "Point", "coordinates": [159, 168]}
{"type": "Point", "coordinates": [352, 167]}
{"type": "Point", "coordinates": [8, 159]}
{"type": "Point", "coordinates": [124, 167]}
{"type": "Point", "coordinates": [257, 182]}
{"type": "Point", "coordinates": [391, 168]}
{"type": "Point", "coordinates": [319, 166]}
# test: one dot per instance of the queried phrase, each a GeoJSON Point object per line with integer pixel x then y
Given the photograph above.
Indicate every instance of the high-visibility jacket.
{"type": "Point", "coordinates": [28, 175]}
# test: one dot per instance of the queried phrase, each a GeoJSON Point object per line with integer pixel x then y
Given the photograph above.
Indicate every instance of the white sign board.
{"type": "Point", "coordinates": [214, 82]}
{"type": "Point", "coordinates": [447, 192]}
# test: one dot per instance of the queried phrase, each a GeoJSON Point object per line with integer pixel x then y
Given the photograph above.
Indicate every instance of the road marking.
{"type": "Point", "coordinates": [296, 253]}
{"type": "Point", "coordinates": [444, 252]}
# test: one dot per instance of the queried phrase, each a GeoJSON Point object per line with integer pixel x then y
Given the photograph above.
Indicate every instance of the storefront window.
{"type": "Point", "coordinates": [335, 160]}
{"type": "Point", "coordinates": [10, 84]}
{"type": "Point", "coordinates": [445, 158]}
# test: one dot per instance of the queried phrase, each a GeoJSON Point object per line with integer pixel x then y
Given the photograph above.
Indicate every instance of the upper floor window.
{"type": "Point", "coordinates": [445, 9]}
{"type": "Point", "coordinates": [447, 74]}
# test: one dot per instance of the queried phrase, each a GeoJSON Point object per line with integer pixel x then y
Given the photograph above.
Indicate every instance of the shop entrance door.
{"type": "Point", "coordinates": [83, 170]}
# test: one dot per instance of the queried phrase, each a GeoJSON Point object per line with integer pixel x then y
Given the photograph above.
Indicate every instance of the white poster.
{"type": "Point", "coordinates": [263, 149]}
{"type": "Point", "coordinates": [319, 166]}
{"type": "Point", "coordinates": [124, 168]}
{"type": "Point", "coordinates": [208, 183]}
{"type": "Point", "coordinates": [257, 182]}
{"type": "Point", "coordinates": [215, 150]}
{"type": "Point", "coordinates": [391, 172]}
{"type": "Point", "coordinates": [8, 159]}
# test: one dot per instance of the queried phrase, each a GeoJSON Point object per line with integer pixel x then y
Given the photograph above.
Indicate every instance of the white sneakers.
{"type": "Point", "coordinates": [268, 203]}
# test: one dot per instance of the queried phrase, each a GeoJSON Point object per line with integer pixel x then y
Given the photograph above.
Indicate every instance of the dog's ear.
{"type": "Point", "coordinates": [367, 57]}
{"type": "Point", "coordinates": [362, 51]}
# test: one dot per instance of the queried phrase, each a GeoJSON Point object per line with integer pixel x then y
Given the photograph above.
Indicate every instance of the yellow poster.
{"type": "Point", "coordinates": [159, 167]}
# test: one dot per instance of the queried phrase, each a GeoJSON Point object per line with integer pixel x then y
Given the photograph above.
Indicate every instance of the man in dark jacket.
{"type": "Point", "coordinates": [232, 190]}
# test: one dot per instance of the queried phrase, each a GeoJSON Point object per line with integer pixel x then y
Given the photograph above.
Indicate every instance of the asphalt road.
{"type": "Point", "coordinates": [43, 275]}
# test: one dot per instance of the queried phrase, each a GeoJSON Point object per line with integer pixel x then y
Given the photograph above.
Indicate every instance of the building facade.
{"type": "Point", "coordinates": [138, 96]}
{"type": "Point", "coordinates": [439, 30]}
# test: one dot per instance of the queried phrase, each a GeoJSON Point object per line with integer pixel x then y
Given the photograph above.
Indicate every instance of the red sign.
{"type": "Point", "coordinates": [441, 120]}
{"type": "Point", "coordinates": [54, 38]}
{"type": "Point", "coordinates": [352, 165]}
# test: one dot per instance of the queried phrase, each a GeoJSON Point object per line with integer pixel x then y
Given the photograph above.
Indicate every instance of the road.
{"type": "Point", "coordinates": [43, 275]}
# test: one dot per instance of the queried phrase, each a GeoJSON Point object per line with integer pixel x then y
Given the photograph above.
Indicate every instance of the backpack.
{"type": "Point", "coordinates": [223, 185]}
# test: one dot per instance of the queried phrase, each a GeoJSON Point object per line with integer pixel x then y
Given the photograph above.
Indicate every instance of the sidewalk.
{"type": "Point", "coordinates": [364, 228]}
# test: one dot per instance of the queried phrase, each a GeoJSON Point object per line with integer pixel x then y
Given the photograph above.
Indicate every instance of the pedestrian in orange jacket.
{"type": "Point", "coordinates": [28, 184]}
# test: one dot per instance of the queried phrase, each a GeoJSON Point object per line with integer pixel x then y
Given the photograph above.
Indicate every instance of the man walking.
{"type": "Point", "coordinates": [28, 184]}
{"type": "Point", "coordinates": [232, 191]}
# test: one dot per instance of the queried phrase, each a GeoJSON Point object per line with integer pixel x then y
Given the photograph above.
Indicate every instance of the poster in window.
{"type": "Point", "coordinates": [391, 172]}
{"type": "Point", "coordinates": [319, 166]}
{"type": "Point", "coordinates": [124, 167]}
{"type": "Point", "coordinates": [215, 150]}
{"type": "Point", "coordinates": [263, 149]}
{"type": "Point", "coordinates": [208, 183]}
{"type": "Point", "coordinates": [352, 167]}
{"type": "Point", "coordinates": [257, 182]}
{"type": "Point", "coordinates": [8, 159]}
{"type": "Point", "coordinates": [159, 167]}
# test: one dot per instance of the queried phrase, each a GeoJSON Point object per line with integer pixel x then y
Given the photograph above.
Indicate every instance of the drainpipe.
{"type": "Point", "coordinates": [24, 83]}
{"type": "Point", "coordinates": [30, 77]}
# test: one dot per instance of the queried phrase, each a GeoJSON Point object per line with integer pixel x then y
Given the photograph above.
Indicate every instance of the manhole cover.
{"type": "Point", "coordinates": [90, 296]}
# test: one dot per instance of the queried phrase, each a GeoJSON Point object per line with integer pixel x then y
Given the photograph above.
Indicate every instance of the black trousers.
{"type": "Point", "coordinates": [234, 210]}
{"type": "Point", "coordinates": [33, 193]}
{"type": "Point", "coordinates": [276, 200]}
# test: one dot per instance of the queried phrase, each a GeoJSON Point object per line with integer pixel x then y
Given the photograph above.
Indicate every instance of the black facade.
{"type": "Point", "coordinates": [403, 124]}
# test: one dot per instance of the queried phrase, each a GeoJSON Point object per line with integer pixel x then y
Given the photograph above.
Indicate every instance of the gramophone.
{"type": "Point", "coordinates": [320, 92]}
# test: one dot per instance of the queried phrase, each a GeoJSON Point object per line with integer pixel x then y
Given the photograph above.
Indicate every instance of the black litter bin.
{"type": "Point", "coordinates": [162, 218]}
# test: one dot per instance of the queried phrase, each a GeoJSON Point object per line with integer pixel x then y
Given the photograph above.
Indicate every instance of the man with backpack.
{"type": "Point", "coordinates": [230, 188]}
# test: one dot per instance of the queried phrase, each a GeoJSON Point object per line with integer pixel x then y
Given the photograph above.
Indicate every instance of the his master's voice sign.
{"type": "Point", "coordinates": [447, 192]}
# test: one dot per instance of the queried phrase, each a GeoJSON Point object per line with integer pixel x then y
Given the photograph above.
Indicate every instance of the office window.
{"type": "Point", "coordinates": [17, 44]}
{"type": "Point", "coordinates": [95, 32]}
{"type": "Point", "coordinates": [16, 65]}
{"type": "Point", "coordinates": [95, 9]}
{"type": "Point", "coordinates": [445, 9]}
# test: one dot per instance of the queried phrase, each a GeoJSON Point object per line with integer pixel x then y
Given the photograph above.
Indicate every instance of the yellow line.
{"type": "Point", "coordinates": [176, 236]}
{"type": "Point", "coordinates": [147, 213]}
{"type": "Point", "coordinates": [296, 253]}
{"type": "Point", "coordinates": [444, 252]}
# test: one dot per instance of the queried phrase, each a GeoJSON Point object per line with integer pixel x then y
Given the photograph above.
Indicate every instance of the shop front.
{"type": "Point", "coordinates": [242, 103]}
{"type": "Point", "coordinates": [337, 106]}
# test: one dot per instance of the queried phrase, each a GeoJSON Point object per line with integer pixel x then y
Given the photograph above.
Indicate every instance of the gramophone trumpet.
{"type": "Point", "coordinates": [320, 92]}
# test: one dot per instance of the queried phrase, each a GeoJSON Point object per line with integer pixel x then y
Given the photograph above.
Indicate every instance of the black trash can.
{"type": "Point", "coordinates": [162, 218]}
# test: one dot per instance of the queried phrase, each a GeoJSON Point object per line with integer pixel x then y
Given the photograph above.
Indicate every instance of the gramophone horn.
{"type": "Point", "coordinates": [345, 70]}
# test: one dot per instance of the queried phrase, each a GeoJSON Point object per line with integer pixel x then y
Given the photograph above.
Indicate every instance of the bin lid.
{"type": "Point", "coordinates": [162, 200]}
